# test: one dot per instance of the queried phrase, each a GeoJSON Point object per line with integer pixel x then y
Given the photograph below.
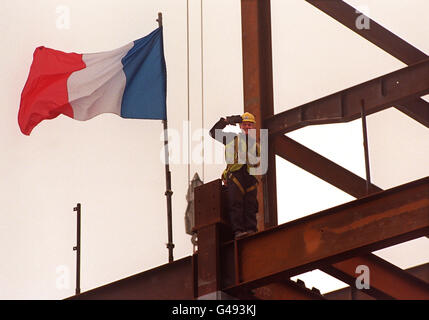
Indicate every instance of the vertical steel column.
{"type": "Point", "coordinates": [209, 224]}
{"type": "Point", "coordinates": [258, 92]}
{"type": "Point", "coordinates": [77, 247]}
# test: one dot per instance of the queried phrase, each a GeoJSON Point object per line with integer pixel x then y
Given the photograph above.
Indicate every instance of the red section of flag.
{"type": "Point", "coordinates": [45, 93]}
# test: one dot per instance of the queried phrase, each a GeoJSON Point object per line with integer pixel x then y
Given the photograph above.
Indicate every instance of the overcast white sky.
{"type": "Point", "coordinates": [112, 166]}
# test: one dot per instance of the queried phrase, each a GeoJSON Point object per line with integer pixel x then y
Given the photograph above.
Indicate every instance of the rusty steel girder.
{"type": "Point", "coordinates": [172, 281]}
{"type": "Point", "coordinates": [286, 290]}
{"type": "Point", "coordinates": [344, 106]}
{"type": "Point", "coordinates": [215, 265]}
{"type": "Point", "coordinates": [257, 58]}
{"type": "Point", "coordinates": [386, 281]}
{"type": "Point", "coordinates": [421, 272]}
{"type": "Point", "coordinates": [210, 219]}
{"type": "Point", "coordinates": [258, 92]}
{"type": "Point", "coordinates": [376, 34]}
{"type": "Point", "coordinates": [358, 227]}
{"type": "Point", "coordinates": [416, 108]}
{"type": "Point", "coordinates": [321, 167]}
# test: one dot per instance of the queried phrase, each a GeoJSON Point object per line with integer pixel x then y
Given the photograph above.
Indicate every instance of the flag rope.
{"type": "Point", "coordinates": [189, 111]}
{"type": "Point", "coordinates": [202, 86]}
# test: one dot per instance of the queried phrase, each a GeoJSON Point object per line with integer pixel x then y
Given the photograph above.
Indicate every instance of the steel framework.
{"type": "Point", "coordinates": [336, 240]}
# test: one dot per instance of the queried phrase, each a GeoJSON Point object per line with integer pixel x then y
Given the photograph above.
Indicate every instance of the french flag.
{"type": "Point", "coordinates": [129, 81]}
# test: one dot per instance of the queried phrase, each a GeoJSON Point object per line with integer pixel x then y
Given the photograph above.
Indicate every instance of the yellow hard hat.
{"type": "Point", "coordinates": [248, 117]}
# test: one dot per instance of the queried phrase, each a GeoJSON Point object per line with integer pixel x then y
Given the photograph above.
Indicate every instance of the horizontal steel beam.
{"type": "Point", "coordinates": [385, 279]}
{"type": "Point", "coordinates": [355, 228]}
{"type": "Point", "coordinates": [321, 167]}
{"type": "Point", "coordinates": [172, 281]}
{"type": "Point", "coordinates": [286, 290]}
{"type": "Point", "coordinates": [384, 39]}
{"type": "Point", "coordinates": [421, 272]}
{"type": "Point", "coordinates": [376, 95]}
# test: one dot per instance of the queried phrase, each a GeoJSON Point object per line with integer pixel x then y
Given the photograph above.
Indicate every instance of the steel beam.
{"type": "Point", "coordinates": [344, 106]}
{"type": "Point", "coordinates": [384, 39]}
{"type": "Point", "coordinates": [211, 224]}
{"type": "Point", "coordinates": [355, 228]}
{"type": "Point", "coordinates": [418, 109]}
{"type": "Point", "coordinates": [346, 294]}
{"type": "Point", "coordinates": [421, 272]}
{"type": "Point", "coordinates": [258, 92]}
{"type": "Point", "coordinates": [286, 290]}
{"type": "Point", "coordinates": [209, 276]}
{"type": "Point", "coordinates": [377, 34]}
{"type": "Point", "coordinates": [172, 281]}
{"type": "Point", "coordinates": [214, 266]}
{"type": "Point", "coordinates": [355, 186]}
{"type": "Point", "coordinates": [321, 167]}
{"type": "Point", "coordinates": [385, 279]}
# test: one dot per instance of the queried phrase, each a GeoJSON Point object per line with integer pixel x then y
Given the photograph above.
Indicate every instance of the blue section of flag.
{"type": "Point", "coordinates": [145, 90]}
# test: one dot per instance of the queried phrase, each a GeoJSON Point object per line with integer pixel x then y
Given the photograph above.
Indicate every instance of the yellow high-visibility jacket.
{"type": "Point", "coordinates": [236, 148]}
{"type": "Point", "coordinates": [237, 154]}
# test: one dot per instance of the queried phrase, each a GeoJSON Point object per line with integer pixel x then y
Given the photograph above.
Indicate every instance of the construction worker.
{"type": "Point", "coordinates": [241, 153]}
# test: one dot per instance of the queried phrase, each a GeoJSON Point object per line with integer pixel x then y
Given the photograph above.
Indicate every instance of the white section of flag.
{"type": "Point", "coordinates": [100, 86]}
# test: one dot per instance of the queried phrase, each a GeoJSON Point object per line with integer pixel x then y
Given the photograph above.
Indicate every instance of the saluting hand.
{"type": "Point", "coordinates": [234, 119]}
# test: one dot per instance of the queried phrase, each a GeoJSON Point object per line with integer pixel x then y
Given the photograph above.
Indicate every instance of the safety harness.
{"type": "Point", "coordinates": [240, 145]}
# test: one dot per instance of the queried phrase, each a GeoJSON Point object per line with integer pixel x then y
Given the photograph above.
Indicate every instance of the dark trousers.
{"type": "Point", "coordinates": [242, 207]}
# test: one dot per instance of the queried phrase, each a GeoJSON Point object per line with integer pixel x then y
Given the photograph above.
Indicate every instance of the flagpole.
{"type": "Point", "coordinates": [77, 247]}
{"type": "Point", "coordinates": [168, 192]}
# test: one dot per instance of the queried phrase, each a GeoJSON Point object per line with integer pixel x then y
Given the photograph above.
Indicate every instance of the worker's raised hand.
{"type": "Point", "coordinates": [234, 119]}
